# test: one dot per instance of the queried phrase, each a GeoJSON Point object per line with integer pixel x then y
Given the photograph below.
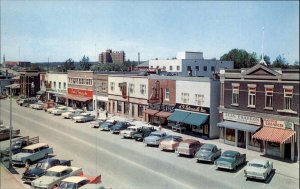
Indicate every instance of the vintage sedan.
{"type": "Point", "coordinates": [120, 125]}
{"type": "Point", "coordinates": [59, 110]}
{"type": "Point", "coordinates": [98, 122]}
{"type": "Point", "coordinates": [230, 160]}
{"type": "Point", "coordinates": [72, 113]}
{"type": "Point", "coordinates": [170, 143]}
{"type": "Point", "coordinates": [106, 126]}
{"type": "Point", "coordinates": [188, 147]}
{"type": "Point", "coordinates": [54, 175]}
{"type": "Point", "coordinates": [49, 110]}
{"type": "Point", "coordinates": [154, 138]}
{"type": "Point", "coordinates": [129, 132]}
{"type": "Point", "coordinates": [208, 152]}
{"type": "Point", "coordinates": [41, 167]}
{"type": "Point", "coordinates": [84, 117]}
{"type": "Point", "coordinates": [75, 182]}
{"type": "Point", "coordinates": [258, 169]}
{"type": "Point", "coordinates": [37, 105]}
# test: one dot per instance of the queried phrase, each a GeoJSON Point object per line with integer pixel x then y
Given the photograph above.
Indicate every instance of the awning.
{"type": "Point", "coordinates": [150, 111]}
{"type": "Point", "coordinates": [78, 98]}
{"type": "Point", "coordinates": [13, 86]}
{"type": "Point", "coordinates": [196, 119]}
{"type": "Point", "coordinates": [163, 114]}
{"type": "Point", "coordinates": [271, 134]}
{"type": "Point", "coordinates": [59, 95]}
{"type": "Point", "coordinates": [178, 116]}
{"type": "Point", "coordinates": [239, 126]}
{"type": "Point", "coordinates": [40, 92]}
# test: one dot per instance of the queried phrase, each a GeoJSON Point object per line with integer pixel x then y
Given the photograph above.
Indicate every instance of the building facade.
{"type": "Point", "coordinates": [100, 96]}
{"type": "Point", "coordinates": [112, 57]}
{"type": "Point", "coordinates": [259, 110]}
{"type": "Point", "coordinates": [29, 83]}
{"type": "Point", "coordinates": [128, 95]}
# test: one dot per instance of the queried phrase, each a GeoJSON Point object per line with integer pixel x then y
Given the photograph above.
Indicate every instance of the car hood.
{"type": "Point", "coordinates": [34, 171]}
{"type": "Point", "coordinates": [44, 181]}
{"type": "Point", "coordinates": [254, 169]}
{"type": "Point", "coordinates": [225, 160]}
{"type": "Point", "coordinates": [19, 156]}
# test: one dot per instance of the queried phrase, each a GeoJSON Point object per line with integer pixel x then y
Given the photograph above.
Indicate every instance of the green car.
{"type": "Point", "coordinates": [230, 160]}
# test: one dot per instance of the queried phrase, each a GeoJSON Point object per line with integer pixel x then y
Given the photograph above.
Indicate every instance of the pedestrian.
{"type": "Point", "coordinates": [106, 114]}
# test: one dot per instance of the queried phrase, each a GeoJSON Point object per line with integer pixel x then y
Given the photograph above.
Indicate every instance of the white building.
{"type": "Point", "coordinates": [190, 63]}
{"type": "Point", "coordinates": [128, 95]}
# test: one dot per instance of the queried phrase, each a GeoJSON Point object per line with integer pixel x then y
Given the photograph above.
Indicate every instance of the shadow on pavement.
{"type": "Point", "coordinates": [12, 170]}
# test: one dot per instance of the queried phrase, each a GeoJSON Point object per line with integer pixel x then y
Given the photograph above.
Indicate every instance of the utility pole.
{"type": "Point", "coordinates": [11, 131]}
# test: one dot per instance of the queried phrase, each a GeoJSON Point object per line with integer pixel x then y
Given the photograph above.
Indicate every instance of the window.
{"type": "Point", "coordinates": [119, 106]}
{"type": "Point", "coordinates": [185, 97]}
{"type": "Point", "coordinates": [167, 94]}
{"type": "Point", "coordinates": [65, 85]}
{"type": "Point", "coordinates": [164, 67]}
{"type": "Point", "coordinates": [143, 89]}
{"type": "Point", "coordinates": [54, 84]}
{"type": "Point", "coordinates": [288, 99]}
{"type": "Point", "coordinates": [251, 97]}
{"type": "Point", "coordinates": [178, 67]}
{"type": "Point", "coordinates": [104, 86]}
{"type": "Point", "coordinates": [269, 98]}
{"type": "Point", "coordinates": [235, 95]}
{"type": "Point", "coordinates": [188, 68]}
{"type": "Point", "coordinates": [197, 68]}
{"type": "Point", "coordinates": [199, 99]}
{"type": "Point", "coordinates": [59, 85]}
{"type": "Point", "coordinates": [157, 67]}
{"type": "Point", "coordinates": [151, 67]}
{"type": "Point", "coordinates": [51, 84]}
{"type": "Point", "coordinates": [112, 86]}
{"type": "Point", "coordinates": [131, 88]}
{"type": "Point", "coordinates": [126, 108]}
{"type": "Point", "coordinates": [212, 68]}
{"type": "Point", "coordinates": [140, 110]}
{"type": "Point", "coordinates": [171, 67]}
{"type": "Point", "coordinates": [205, 68]}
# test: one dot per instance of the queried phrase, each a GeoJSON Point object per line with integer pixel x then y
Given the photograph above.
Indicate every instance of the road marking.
{"type": "Point", "coordinates": [238, 172]}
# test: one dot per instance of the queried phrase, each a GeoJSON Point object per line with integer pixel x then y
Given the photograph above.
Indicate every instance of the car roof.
{"type": "Point", "coordinates": [75, 179]}
{"type": "Point", "coordinates": [47, 160]}
{"type": "Point", "coordinates": [189, 141]}
{"type": "Point", "coordinates": [34, 146]}
{"type": "Point", "coordinates": [158, 132]}
{"type": "Point", "coordinates": [59, 168]}
{"type": "Point", "coordinates": [134, 127]}
{"type": "Point", "coordinates": [208, 146]}
{"type": "Point", "coordinates": [85, 114]}
{"type": "Point", "coordinates": [259, 161]}
{"type": "Point", "coordinates": [231, 152]}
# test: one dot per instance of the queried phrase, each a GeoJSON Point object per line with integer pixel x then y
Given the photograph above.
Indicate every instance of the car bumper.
{"type": "Point", "coordinates": [152, 142]}
{"type": "Point", "coordinates": [28, 179]}
{"type": "Point", "coordinates": [259, 177]}
{"type": "Point", "coordinates": [200, 158]}
{"type": "Point", "coordinates": [224, 167]}
{"type": "Point", "coordinates": [18, 162]}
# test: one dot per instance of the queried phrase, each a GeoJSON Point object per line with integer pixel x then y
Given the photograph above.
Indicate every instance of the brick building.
{"type": "Point", "coordinates": [29, 83]}
{"type": "Point", "coordinates": [259, 109]}
{"type": "Point", "coordinates": [112, 57]}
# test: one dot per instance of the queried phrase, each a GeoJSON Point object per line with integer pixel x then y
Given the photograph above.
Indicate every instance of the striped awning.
{"type": "Point", "coordinates": [271, 134]}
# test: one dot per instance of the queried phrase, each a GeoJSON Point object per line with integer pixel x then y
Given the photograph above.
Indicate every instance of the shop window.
{"type": "Point", "coordinates": [230, 134]}
{"type": "Point", "coordinates": [132, 110]}
{"type": "Point", "coordinates": [126, 108]}
{"type": "Point", "coordinates": [131, 88]}
{"type": "Point", "coordinates": [178, 67]}
{"type": "Point", "coordinates": [119, 106]}
{"type": "Point", "coordinates": [140, 110]}
{"type": "Point", "coordinates": [167, 94]}
{"type": "Point", "coordinates": [206, 129]}
{"type": "Point", "coordinates": [235, 95]}
{"type": "Point", "coordinates": [288, 99]}
{"type": "Point", "coordinates": [197, 68]}
{"type": "Point", "coordinates": [143, 89]}
{"type": "Point", "coordinates": [112, 86]}
{"type": "Point", "coordinates": [199, 99]}
{"type": "Point", "coordinates": [151, 67]}
{"type": "Point", "coordinates": [185, 98]}
{"type": "Point", "coordinates": [269, 98]}
{"type": "Point", "coordinates": [251, 97]}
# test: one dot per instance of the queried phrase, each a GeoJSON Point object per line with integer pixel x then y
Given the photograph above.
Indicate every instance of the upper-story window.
{"type": "Point", "coordinates": [143, 89]}
{"type": "Point", "coordinates": [288, 99]}
{"type": "Point", "coordinates": [235, 94]}
{"type": "Point", "coordinates": [197, 68]}
{"type": "Point", "coordinates": [131, 88]}
{"type": "Point", "coordinates": [157, 67]}
{"type": "Point", "coordinates": [199, 99]}
{"type": "Point", "coordinates": [167, 94]}
{"type": "Point", "coordinates": [184, 98]}
{"type": "Point", "coordinates": [65, 85]}
{"type": "Point", "coordinates": [204, 68]}
{"type": "Point", "coordinates": [59, 85]}
{"type": "Point", "coordinates": [178, 67]}
{"type": "Point", "coordinates": [189, 68]}
{"type": "Point", "coordinates": [151, 67]}
{"type": "Point", "coordinates": [251, 96]}
{"type": "Point", "coordinates": [54, 84]}
{"type": "Point", "coordinates": [103, 86]}
{"type": "Point", "coordinates": [164, 67]}
{"type": "Point", "coordinates": [269, 98]}
{"type": "Point", "coordinates": [171, 67]}
{"type": "Point", "coordinates": [112, 86]}
{"type": "Point", "coordinates": [212, 68]}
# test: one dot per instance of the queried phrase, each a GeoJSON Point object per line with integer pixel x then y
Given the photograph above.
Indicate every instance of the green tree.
{"type": "Point", "coordinates": [280, 62]}
{"type": "Point", "coordinates": [68, 65]}
{"type": "Point", "coordinates": [84, 63]}
{"type": "Point", "coordinates": [110, 67]}
{"type": "Point", "coordinates": [241, 58]}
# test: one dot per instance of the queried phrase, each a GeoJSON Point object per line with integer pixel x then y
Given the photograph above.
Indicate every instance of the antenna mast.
{"type": "Point", "coordinates": [262, 61]}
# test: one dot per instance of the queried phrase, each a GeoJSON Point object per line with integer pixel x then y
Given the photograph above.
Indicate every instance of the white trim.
{"type": "Point", "coordinates": [252, 85]}
{"type": "Point", "coordinates": [288, 87]}
{"type": "Point", "coordinates": [235, 84]}
{"type": "Point", "coordinates": [269, 86]}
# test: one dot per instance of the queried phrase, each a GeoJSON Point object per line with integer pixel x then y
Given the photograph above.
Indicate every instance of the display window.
{"type": "Point", "coordinates": [230, 134]}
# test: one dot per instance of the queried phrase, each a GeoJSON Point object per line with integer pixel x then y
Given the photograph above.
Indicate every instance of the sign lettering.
{"type": "Point", "coordinates": [279, 124]}
{"type": "Point", "coordinates": [242, 118]}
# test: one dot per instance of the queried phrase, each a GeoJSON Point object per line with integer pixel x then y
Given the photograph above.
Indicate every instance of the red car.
{"type": "Point", "coordinates": [75, 182]}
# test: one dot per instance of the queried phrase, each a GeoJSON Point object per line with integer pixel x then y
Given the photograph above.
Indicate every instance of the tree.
{"type": "Point", "coordinates": [110, 67]}
{"type": "Point", "coordinates": [84, 63]}
{"type": "Point", "coordinates": [280, 62]}
{"type": "Point", "coordinates": [295, 65]}
{"type": "Point", "coordinates": [241, 58]}
{"type": "Point", "coordinates": [68, 65]}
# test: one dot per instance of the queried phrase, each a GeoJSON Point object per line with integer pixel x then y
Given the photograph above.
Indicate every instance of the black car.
{"type": "Point", "coordinates": [120, 125]}
{"type": "Point", "coordinates": [142, 133]}
{"type": "Point", "coordinates": [16, 147]}
{"type": "Point", "coordinates": [41, 167]}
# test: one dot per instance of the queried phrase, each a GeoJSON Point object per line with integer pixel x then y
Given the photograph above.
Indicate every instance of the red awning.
{"type": "Point", "coordinates": [271, 134]}
{"type": "Point", "coordinates": [78, 98]}
{"type": "Point", "coordinates": [163, 114]}
{"type": "Point", "coordinates": [151, 112]}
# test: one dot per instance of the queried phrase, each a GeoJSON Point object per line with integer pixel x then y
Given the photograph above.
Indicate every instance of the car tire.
{"type": "Point", "coordinates": [27, 163]}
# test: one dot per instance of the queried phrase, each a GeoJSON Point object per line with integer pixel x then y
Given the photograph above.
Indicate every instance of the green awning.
{"type": "Point", "coordinates": [178, 116]}
{"type": "Point", "coordinates": [196, 119]}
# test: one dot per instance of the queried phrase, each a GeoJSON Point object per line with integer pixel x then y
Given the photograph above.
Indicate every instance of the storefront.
{"type": "Point", "coordinates": [79, 98]}
{"type": "Point", "coordinates": [157, 114]}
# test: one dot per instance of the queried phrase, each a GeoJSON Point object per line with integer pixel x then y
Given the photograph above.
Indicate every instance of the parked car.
{"type": "Point", "coordinates": [230, 160]}
{"type": "Point", "coordinates": [75, 182]}
{"type": "Point", "coordinates": [93, 186]}
{"type": "Point", "coordinates": [16, 146]}
{"type": "Point", "coordinates": [188, 147]}
{"type": "Point", "coordinates": [59, 110]}
{"type": "Point", "coordinates": [129, 132]}
{"type": "Point", "coordinates": [32, 153]}
{"type": "Point", "coordinates": [49, 110]}
{"type": "Point", "coordinates": [258, 169]}
{"type": "Point", "coordinates": [170, 143]}
{"type": "Point", "coordinates": [54, 175]}
{"type": "Point", "coordinates": [47, 105]}
{"type": "Point", "coordinates": [5, 132]}
{"type": "Point", "coordinates": [39, 106]}
{"type": "Point", "coordinates": [142, 133]}
{"type": "Point", "coordinates": [98, 122]}
{"type": "Point", "coordinates": [154, 138]}
{"type": "Point", "coordinates": [84, 117]}
{"type": "Point", "coordinates": [120, 125]}
{"type": "Point", "coordinates": [208, 152]}
{"type": "Point", "coordinates": [41, 167]}
{"type": "Point", "coordinates": [35, 105]}
{"type": "Point", "coordinates": [27, 102]}
{"type": "Point", "coordinates": [71, 113]}
{"type": "Point", "coordinates": [106, 126]}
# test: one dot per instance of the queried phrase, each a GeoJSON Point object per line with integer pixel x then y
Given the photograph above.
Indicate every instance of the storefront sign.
{"type": "Point", "coordinates": [80, 92]}
{"type": "Point", "coordinates": [192, 108]}
{"type": "Point", "coordinates": [242, 118]}
{"type": "Point", "coordinates": [161, 107]}
{"type": "Point", "coordinates": [279, 124]}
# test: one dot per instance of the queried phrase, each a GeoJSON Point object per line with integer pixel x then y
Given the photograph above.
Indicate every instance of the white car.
{"type": "Point", "coordinates": [84, 117]}
{"type": "Point", "coordinates": [258, 169]}
{"type": "Point", "coordinates": [129, 132]}
{"type": "Point", "coordinates": [36, 105]}
{"type": "Point", "coordinates": [49, 110]}
{"type": "Point", "coordinates": [59, 110]}
{"type": "Point", "coordinates": [72, 113]}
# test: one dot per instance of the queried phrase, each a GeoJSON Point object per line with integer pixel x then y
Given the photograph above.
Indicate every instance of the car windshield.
{"type": "Point", "coordinates": [154, 134]}
{"type": "Point", "coordinates": [26, 151]}
{"type": "Point", "coordinates": [43, 165]}
{"type": "Point", "coordinates": [52, 174]}
{"type": "Point", "coordinates": [206, 149]}
{"type": "Point", "coordinates": [256, 165]}
{"type": "Point", "coordinates": [67, 185]}
{"type": "Point", "coordinates": [231, 156]}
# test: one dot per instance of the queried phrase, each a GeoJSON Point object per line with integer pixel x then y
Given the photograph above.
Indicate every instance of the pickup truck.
{"type": "Point", "coordinates": [142, 133]}
{"type": "Point", "coordinates": [230, 160]}
{"type": "Point", "coordinates": [19, 143]}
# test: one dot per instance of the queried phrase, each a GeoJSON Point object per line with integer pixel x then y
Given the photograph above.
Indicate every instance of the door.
{"type": "Point", "coordinates": [287, 151]}
{"type": "Point", "coordinates": [241, 139]}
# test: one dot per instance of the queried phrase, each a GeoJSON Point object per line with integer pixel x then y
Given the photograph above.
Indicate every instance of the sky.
{"type": "Point", "coordinates": [37, 30]}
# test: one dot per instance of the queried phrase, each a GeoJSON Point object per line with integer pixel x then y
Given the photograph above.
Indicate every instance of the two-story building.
{"type": "Point", "coordinates": [259, 109]}
{"type": "Point", "coordinates": [100, 96]}
{"type": "Point", "coordinates": [29, 82]}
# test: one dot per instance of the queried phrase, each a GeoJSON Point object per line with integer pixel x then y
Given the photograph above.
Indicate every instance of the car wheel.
{"type": "Point", "coordinates": [234, 168]}
{"type": "Point", "coordinates": [27, 163]}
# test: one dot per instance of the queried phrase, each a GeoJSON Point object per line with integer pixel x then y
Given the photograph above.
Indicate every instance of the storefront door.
{"type": "Point", "coordinates": [287, 151]}
{"type": "Point", "coordinates": [241, 139]}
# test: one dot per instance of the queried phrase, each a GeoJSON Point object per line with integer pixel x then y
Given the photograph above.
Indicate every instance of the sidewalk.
{"type": "Point", "coordinates": [8, 180]}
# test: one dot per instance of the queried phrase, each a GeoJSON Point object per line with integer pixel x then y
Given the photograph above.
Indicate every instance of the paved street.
{"type": "Point", "coordinates": [124, 163]}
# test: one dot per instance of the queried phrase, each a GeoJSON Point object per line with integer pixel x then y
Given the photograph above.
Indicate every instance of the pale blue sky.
{"type": "Point", "coordinates": [60, 30]}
